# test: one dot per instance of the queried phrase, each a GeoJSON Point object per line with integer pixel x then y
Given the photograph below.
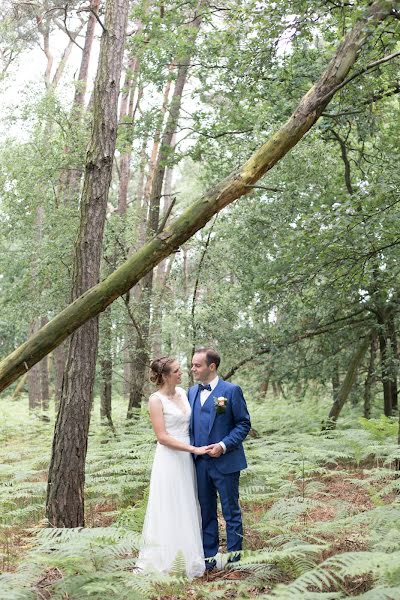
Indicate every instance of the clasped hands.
{"type": "Point", "coordinates": [213, 450]}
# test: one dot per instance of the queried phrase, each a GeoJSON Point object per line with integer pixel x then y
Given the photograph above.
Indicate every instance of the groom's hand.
{"type": "Point", "coordinates": [214, 450]}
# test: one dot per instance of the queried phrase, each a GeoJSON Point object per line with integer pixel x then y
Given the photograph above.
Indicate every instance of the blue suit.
{"type": "Point", "coordinates": [220, 474]}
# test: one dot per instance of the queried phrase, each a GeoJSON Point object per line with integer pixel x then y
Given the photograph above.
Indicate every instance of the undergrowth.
{"type": "Point", "coordinates": [321, 511]}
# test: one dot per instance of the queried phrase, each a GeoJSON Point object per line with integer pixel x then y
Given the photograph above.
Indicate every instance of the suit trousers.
{"type": "Point", "coordinates": [210, 482]}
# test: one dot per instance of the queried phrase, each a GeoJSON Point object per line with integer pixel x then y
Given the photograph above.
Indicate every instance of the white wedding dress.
{"type": "Point", "coordinates": [172, 525]}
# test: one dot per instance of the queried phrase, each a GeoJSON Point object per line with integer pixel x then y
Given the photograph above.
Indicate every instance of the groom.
{"type": "Point", "coordinates": [221, 421]}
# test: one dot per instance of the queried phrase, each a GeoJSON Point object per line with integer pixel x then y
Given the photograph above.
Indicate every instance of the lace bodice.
{"type": "Point", "coordinates": [176, 421]}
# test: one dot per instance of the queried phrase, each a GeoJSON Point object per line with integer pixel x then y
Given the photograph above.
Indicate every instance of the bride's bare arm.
{"type": "Point", "coordinates": [157, 420]}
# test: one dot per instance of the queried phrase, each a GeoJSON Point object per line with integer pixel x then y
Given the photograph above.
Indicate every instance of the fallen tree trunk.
{"type": "Point", "coordinates": [237, 184]}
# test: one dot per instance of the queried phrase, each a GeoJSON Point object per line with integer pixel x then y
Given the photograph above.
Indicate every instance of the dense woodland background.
{"type": "Point", "coordinates": [142, 111]}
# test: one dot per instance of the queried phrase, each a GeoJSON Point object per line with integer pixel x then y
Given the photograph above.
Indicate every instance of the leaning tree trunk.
{"type": "Point", "coordinates": [347, 384]}
{"type": "Point", "coordinates": [239, 183]}
{"type": "Point", "coordinates": [19, 388]}
{"type": "Point", "coordinates": [65, 492]}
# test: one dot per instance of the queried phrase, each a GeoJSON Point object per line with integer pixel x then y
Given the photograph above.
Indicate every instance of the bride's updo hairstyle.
{"type": "Point", "coordinates": [159, 367]}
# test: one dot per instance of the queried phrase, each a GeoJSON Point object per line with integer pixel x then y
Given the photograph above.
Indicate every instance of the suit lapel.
{"type": "Point", "coordinates": [194, 396]}
{"type": "Point", "coordinates": [217, 390]}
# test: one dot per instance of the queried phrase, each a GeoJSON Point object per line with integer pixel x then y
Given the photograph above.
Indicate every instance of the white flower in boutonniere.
{"type": "Point", "coordinates": [220, 404]}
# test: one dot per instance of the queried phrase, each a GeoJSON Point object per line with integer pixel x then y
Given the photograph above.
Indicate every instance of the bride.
{"type": "Point", "coordinates": [172, 525]}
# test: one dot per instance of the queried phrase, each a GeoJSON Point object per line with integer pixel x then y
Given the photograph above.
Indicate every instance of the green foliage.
{"type": "Point", "coordinates": [380, 428]}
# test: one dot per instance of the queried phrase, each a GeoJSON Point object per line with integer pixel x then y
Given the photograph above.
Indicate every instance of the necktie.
{"type": "Point", "coordinates": [202, 387]}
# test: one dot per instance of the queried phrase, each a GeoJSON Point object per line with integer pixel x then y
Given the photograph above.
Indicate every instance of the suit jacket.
{"type": "Point", "coordinates": [230, 427]}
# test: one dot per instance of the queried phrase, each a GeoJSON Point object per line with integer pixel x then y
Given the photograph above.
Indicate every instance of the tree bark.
{"type": "Point", "coordinates": [33, 379]}
{"type": "Point", "coordinates": [19, 388]}
{"type": "Point", "coordinates": [237, 184]}
{"type": "Point", "coordinates": [60, 354]}
{"type": "Point", "coordinates": [70, 179]}
{"type": "Point", "coordinates": [384, 348]}
{"type": "Point", "coordinates": [81, 84]}
{"type": "Point", "coordinates": [347, 384]}
{"type": "Point", "coordinates": [106, 367]}
{"type": "Point", "coordinates": [44, 376]}
{"type": "Point", "coordinates": [393, 363]}
{"type": "Point", "coordinates": [370, 379]}
{"type": "Point", "coordinates": [65, 491]}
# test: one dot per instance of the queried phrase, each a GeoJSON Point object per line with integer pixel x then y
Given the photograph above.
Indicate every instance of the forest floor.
{"type": "Point", "coordinates": [319, 510]}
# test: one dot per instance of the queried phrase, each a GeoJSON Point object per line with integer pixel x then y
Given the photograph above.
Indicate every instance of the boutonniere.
{"type": "Point", "coordinates": [220, 403]}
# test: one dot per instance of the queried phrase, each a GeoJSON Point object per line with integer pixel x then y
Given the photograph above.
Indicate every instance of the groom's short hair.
{"type": "Point", "coordinates": [212, 356]}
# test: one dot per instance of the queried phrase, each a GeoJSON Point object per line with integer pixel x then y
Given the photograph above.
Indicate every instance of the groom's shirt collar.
{"type": "Point", "coordinates": [204, 394]}
{"type": "Point", "coordinates": [214, 383]}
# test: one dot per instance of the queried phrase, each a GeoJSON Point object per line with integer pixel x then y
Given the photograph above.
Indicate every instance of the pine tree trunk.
{"type": "Point", "coordinates": [138, 358]}
{"type": "Point", "coordinates": [60, 354]}
{"type": "Point", "coordinates": [142, 358]}
{"type": "Point", "coordinates": [239, 183]}
{"type": "Point", "coordinates": [80, 90]}
{"type": "Point", "coordinates": [44, 376]}
{"type": "Point", "coordinates": [106, 367]}
{"type": "Point", "coordinates": [65, 492]}
{"type": "Point", "coordinates": [33, 376]}
{"type": "Point", "coordinates": [70, 179]}
{"type": "Point", "coordinates": [142, 355]}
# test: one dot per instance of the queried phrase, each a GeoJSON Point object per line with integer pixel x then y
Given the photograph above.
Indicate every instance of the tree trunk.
{"type": "Point", "coordinates": [71, 179]}
{"type": "Point", "coordinates": [106, 367]}
{"type": "Point", "coordinates": [162, 274]}
{"type": "Point", "coordinates": [81, 84]}
{"type": "Point", "coordinates": [237, 184]}
{"type": "Point", "coordinates": [44, 376]}
{"type": "Point", "coordinates": [393, 362]}
{"type": "Point", "coordinates": [139, 358]}
{"type": "Point", "coordinates": [138, 355]}
{"type": "Point", "coordinates": [60, 354]}
{"type": "Point", "coordinates": [370, 379]}
{"type": "Point", "coordinates": [65, 492]}
{"type": "Point", "coordinates": [19, 388]}
{"type": "Point", "coordinates": [347, 384]}
{"type": "Point", "coordinates": [384, 348]}
{"type": "Point", "coordinates": [33, 379]}
{"type": "Point", "coordinates": [142, 359]}
{"type": "Point", "coordinates": [335, 381]}
{"type": "Point", "coordinates": [127, 110]}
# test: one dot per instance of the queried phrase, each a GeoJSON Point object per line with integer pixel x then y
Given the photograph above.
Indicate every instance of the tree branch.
{"type": "Point", "coordinates": [361, 72]}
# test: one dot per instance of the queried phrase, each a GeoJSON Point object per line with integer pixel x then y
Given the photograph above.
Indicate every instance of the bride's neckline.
{"type": "Point", "coordinates": [182, 410]}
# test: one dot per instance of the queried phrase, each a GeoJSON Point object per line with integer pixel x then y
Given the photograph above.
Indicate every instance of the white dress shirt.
{"type": "Point", "coordinates": [204, 394]}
